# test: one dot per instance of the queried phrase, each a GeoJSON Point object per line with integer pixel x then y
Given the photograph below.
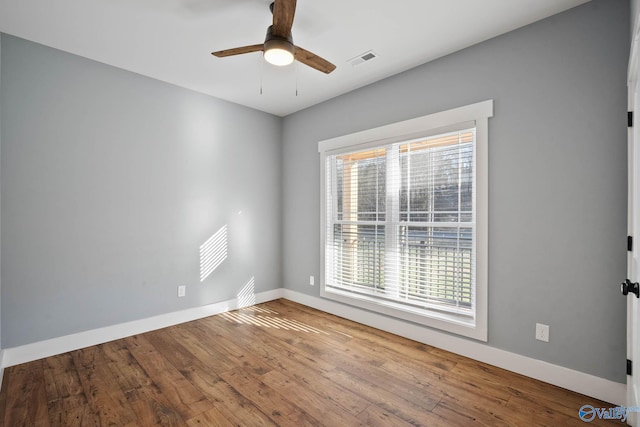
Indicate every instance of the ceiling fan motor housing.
{"type": "Point", "coordinates": [279, 50]}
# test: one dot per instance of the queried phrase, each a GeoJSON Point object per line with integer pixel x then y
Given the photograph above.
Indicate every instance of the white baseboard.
{"type": "Point", "coordinates": [580, 382]}
{"type": "Point", "coordinates": [38, 350]}
{"type": "Point", "coordinates": [1, 367]}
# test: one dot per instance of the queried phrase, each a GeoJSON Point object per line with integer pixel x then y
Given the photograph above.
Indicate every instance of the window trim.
{"type": "Point", "coordinates": [474, 115]}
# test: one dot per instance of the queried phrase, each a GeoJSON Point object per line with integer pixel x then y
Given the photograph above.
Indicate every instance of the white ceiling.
{"type": "Point", "coordinates": [171, 40]}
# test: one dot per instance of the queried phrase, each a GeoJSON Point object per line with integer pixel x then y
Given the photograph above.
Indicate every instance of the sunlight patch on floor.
{"type": "Point", "coordinates": [270, 319]}
{"type": "Point", "coordinates": [257, 309]}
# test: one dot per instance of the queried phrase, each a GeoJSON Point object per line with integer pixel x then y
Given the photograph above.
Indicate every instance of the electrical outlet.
{"type": "Point", "coordinates": [182, 291]}
{"type": "Point", "coordinates": [542, 332]}
{"type": "Point", "coordinates": [312, 280]}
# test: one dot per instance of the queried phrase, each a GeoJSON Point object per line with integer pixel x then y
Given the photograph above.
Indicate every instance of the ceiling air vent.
{"type": "Point", "coordinates": [362, 58]}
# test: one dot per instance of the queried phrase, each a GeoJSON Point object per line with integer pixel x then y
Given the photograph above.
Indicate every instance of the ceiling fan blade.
{"type": "Point", "coordinates": [238, 50]}
{"type": "Point", "coordinates": [283, 13]}
{"type": "Point", "coordinates": [314, 61]}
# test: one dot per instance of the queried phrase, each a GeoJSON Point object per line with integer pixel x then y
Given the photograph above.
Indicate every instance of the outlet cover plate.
{"type": "Point", "coordinates": [542, 332]}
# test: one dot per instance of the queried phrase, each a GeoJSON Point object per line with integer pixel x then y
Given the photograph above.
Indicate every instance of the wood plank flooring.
{"type": "Point", "coordinates": [277, 363]}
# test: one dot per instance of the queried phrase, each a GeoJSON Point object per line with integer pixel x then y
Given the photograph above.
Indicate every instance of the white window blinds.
{"type": "Point", "coordinates": [405, 219]}
{"type": "Point", "coordinates": [401, 222]}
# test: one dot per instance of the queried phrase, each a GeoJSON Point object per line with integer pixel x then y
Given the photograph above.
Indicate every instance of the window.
{"type": "Point", "coordinates": [405, 219]}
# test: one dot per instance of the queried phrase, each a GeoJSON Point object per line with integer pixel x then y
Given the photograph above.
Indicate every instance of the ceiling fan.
{"type": "Point", "coordinates": [278, 46]}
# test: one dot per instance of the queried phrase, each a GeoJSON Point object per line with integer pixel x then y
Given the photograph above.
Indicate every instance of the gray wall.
{"type": "Point", "coordinates": [557, 177]}
{"type": "Point", "coordinates": [635, 9]}
{"type": "Point", "coordinates": [0, 213]}
{"type": "Point", "coordinates": [112, 181]}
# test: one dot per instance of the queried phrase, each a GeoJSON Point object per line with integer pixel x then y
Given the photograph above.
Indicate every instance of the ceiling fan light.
{"type": "Point", "coordinates": [278, 52]}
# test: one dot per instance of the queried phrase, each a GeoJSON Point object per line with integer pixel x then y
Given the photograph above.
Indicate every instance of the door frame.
{"type": "Point", "coordinates": [633, 305]}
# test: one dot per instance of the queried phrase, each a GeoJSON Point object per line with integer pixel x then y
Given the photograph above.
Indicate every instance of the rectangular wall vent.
{"type": "Point", "coordinates": [362, 58]}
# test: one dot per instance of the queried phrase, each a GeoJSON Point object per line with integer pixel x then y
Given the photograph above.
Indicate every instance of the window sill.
{"type": "Point", "coordinates": [459, 325]}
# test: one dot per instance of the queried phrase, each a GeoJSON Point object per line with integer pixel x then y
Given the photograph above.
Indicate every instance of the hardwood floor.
{"type": "Point", "coordinates": [277, 363]}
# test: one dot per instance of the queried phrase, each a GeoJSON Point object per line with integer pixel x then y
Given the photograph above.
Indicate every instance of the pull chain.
{"type": "Point", "coordinates": [261, 61]}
